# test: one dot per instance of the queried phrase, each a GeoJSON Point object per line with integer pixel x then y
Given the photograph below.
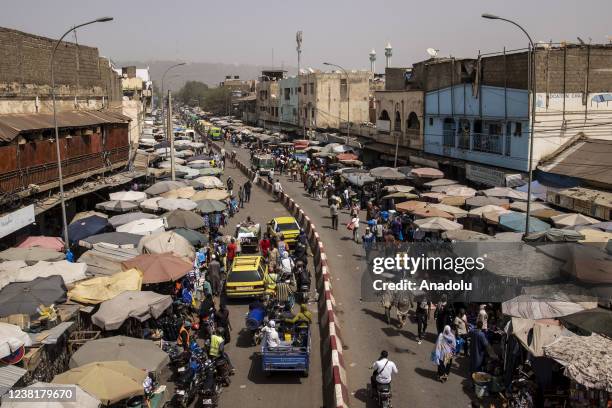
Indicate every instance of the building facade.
{"type": "Point", "coordinates": [268, 97]}
{"type": "Point", "coordinates": [289, 100]}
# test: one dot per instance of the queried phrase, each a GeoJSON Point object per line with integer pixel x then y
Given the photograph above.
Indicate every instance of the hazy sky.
{"type": "Point", "coordinates": [340, 31]}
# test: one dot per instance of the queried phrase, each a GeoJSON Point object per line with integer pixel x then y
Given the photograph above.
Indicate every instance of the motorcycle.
{"type": "Point", "coordinates": [303, 283]}
{"type": "Point", "coordinates": [210, 388]}
{"type": "Point", "coordinates": [382, 395]}
{"type": "Point", "coordinates": [188, 382]}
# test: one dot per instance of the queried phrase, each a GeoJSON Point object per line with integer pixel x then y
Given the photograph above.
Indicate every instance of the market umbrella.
{"type": "Point", "coordinates": [555, 235]}
{"type": "Point", "coordinates": [167, 242]}
{"type": "Point", "coordinates": [352, 162]}
{"type": "Point", "coordinates": [545, 306]}
{"type": "Point", "coordinates": [445, 187]}
{"type": "Point", "coordinates": [140, 305]}
{"type": "Point", "coordinates": [143, 227]}
{"type": "Point", "coordinates": [347, 156]}
{"type": "Point", "coordinates": [112, 239]}
{"type": "Point", "coordinates": [211, 194]}
{"type": "Point", "coordinates": [440, 182]}
{"type": "Point", "coordinates": [53, 243]}
{"type": "Point", "coordinates": [97, 290]}
{"type": "Point", "coordinates": [427, 172]}
{"type": "Point", "coordinates": [183, 192]}
{"type": "Point", "coordinates": [506, 192]}
{"type": "Point", "coordinates": [199, 157]}
{"type": "Point", "coordinates": [437, 224]}
{"type": "Point", "coordinates": [358, 178]}
{"type": "Point", "coordinates": [31, 255]}
{"type": "Point", "coordinates": [109, 381]}
{"type": "Point", "coordinates": [170, 204]}
{"type": "Point", "coordinates": [80, 398]}
{"type": "Point", "coordinates": [481, 201]}
{"type": "Point", "coordinates": [121, 219]}
{"type": "Point", "coordinates": [167, 164]}
{"type": "Point", "coordinates": [87, 227]}
{"type": "Point", "coordinates": [151, 204]}
{"type": "Point", "coordinates": [479, 211]}
{"type": "Point", "coordinates": [597, 320]}
{"type": "Point", "coordinates": [595, 237]}
{"type": "Point", "coordinates": [140, 353]}
{"type": "Point", "coordinates": [515, 221]}
{"type": "Point", "coordinates": [210, 182]}
{"type": "Point", "coordinates": [117, 206]}
{"type": "Point", "coordinates": [69, 271]}
{"type": "Point", "coordinates": [604, 226]}
{"type": "Point", "coordinates": [427, 212]}
{"type": "Point", "coordinates": [25, 297]}
{"type": "Point", "coordinates": [135, 196]}
{"type": "Point", "coordinates": [545, 213]}
{"type": "Point", "coordinates": [400, 194]}
{"type": "Point", "coordinates": [465, 235]}
{"type": "Point", "coordinates": [398, 188]}
{"type": "Point", "coordinates": [199, 164]}
{"type": "Point", "coordinates": [572, 220]}
{"type": "Point", "coordinates": [456, 212]}
{"type": "Point", "coordinates": [410, 206]}
{"type": "Point", "coordinates": [455, 201]}
{"type": "Point", "coordinates": [164, 186]}
{"type": "Point", "coordinates": [210, 171]}
{"type": "Point", "coordinates": [12, 338]}
{"type": "Point", "coordinates": [522, 206]}
{"type": "Point", "coordinates": [459, 191]}
{"type": "Point", "coordinates": [387, 173]}
{"type": "Point", "coordinates": [158, 268]}
{"type": "Point", "coordinates": [86, 214]}
{"type": "Point", "coordinates": [586, 359]}
{"type": "Point", "coordinates": [184, 219]}
{"type": "Point", "coordinates": [189, 173]}
{"type": "Point", "coordinates": [435, 196]}
{"type": "Point", "coordinates": [195, 238]}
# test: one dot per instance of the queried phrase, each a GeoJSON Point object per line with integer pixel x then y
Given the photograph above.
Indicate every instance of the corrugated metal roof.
{"type": "Point", "coordinates": [587, 159]}
{"type": "Point", "coordinates": [56, 332]}
{"type": "Point", "coordinates": [13, 124]}
{"type": "Point", "coordinates": [9, 375]}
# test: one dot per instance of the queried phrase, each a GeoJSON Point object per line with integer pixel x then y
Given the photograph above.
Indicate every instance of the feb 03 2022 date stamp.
{"type": "Point", "coordinates": [45, 393]}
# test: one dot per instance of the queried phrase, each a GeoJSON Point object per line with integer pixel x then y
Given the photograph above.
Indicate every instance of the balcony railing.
{"type": "Point", "coordinates": [488, 143]}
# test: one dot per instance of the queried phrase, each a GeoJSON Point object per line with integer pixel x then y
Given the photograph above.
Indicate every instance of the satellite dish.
{"type": "Point", "coordinates": [312, 71]}
{"type": "Point", "coordinates": [432, 52]}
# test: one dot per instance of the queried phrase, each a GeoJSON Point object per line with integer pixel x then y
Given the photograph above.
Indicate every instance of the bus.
{"type": "Point", "coordinates": [215, 133]}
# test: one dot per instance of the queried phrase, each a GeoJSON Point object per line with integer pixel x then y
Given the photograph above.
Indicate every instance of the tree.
{"type": "Point", "coordinates": [192, 93]}
{"type": "Point", "coordinates": [215, 100]}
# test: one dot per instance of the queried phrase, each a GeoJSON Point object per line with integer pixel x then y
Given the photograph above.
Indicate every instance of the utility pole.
{"type": "Point", "coordinates": [298, 40]}
{"type": "Point", "coordinates": [171, 136]}
{"type": "Point", "coordinates": [396, 149]}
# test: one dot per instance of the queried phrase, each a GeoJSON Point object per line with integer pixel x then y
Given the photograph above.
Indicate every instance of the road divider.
{"type": "Point", "coordinates": [334, 377]}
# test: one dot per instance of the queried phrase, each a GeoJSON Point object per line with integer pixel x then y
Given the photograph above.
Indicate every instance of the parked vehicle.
{"type": "Point", "coordinates": [262, 163]}
{"type": "Point", "coordinates": [248, 236]}
{"type": "Point", "coordinates": [215, 133]}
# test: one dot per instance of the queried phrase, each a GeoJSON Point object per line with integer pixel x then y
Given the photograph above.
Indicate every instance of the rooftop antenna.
{"type": "Point", "coordinates": [433, 53]}
{"type": "Point", "coordinates": [581, 41]}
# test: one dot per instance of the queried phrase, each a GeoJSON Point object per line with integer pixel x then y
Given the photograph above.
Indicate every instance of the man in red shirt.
{"type": "Point", "coordinates": [264, 245]}
{"type": "Point", "coordinates": [231, 252]}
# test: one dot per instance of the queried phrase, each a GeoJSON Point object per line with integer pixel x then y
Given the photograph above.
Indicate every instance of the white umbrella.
{"type": "Point", "coordinates": [168, 241]}
{"type": "Point", "coordinates": [117, 206]}
{"type": "Point", "coordinates": [69, 271]}
{"type": "Point", "coordinates": [572, 220]}
{"type": "Point", "coordinates": [163, 186]}
{"type": "Point", "coordinates": [210, 182]}
{"type": "Point", "coordinates": [505, 192]}
{"type": "Point", "coordinates": [171, 204]}
{"type": "Point", "coordinates": [437, 224]}
{"type": "Point", "coordinates": [544, 306]}
{"type": "Point", "coordinates": [460, 191]}
{"type": "Point", "coordinates": [479, 211]}
{"type": "Point", "coordinates": [151, 204]}
{"type": "Point", "coordinates": [168, 164]}
{"type": "Point", "coordinates": [121, 219]}
{"type": "Point", "coordinates": [82, 399]}
{"type": "Point", "coordinates": [135, 196]}
{"type": "Point", "coordinates": [11, 338]}
{"type": "Point", "coordinates": [183, 192]}
{"type": "Point", "coordinates": [522, 206]}
{"type": "Point", "coordinates": [143, 227]}
{"type": "Point", "coordinates": [451, 209]}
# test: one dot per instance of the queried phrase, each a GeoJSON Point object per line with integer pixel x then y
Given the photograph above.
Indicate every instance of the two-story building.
{"type": "Point", "coordinates": [477, 111]}
{"type": "Point", "coordinates": [268, 97]}
{"type": "Point", "coordinates": [290, 88]}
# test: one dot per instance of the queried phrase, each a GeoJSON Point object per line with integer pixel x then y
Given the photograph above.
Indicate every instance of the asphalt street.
{"type": "Point", "coordinates": [363, 327]}
{"type": "Point", "coordinates": [250, 386]}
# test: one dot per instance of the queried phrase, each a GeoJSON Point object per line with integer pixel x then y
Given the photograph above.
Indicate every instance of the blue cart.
{"type": "Point", "coordinates": [289, 357]}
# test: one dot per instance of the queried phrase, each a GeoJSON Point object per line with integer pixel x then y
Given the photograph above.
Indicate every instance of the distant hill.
{"type": "Point", "coordinates": [209, 73]}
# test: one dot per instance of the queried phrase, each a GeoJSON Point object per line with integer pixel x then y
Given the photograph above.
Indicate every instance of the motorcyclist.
{"type": "Point", "coordinates": [300, 253]}
{"type": "Point", "coordinates": [302, 319]}
{"type": "Point", "coordinates": [383, 371]}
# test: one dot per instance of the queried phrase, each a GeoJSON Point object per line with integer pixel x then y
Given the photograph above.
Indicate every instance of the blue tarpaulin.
{"type": "Point", "coordinates": [515, 221]}
{"type": "Point", "coordinates": [87, 227]}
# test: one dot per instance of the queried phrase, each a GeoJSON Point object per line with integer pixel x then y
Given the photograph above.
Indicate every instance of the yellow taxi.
{"type": "Point", "coordinates": [247, 277]}
{"type": "Point", "coordinates": [288, 226]}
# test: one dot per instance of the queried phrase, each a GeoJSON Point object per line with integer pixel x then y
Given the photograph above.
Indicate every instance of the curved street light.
{"type": "Point", "coordinates": [348, 100]}
{"type": "Point", "coordinates": [57, 144]}
{"type": "Point", "coordinates": [162, 92]}
{"type": "Point", "coordinates": [533, 110]}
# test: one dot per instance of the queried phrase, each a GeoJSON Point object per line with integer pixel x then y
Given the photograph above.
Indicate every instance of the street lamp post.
{"type": "Point", "coordinates": [533, 111]}
{"type": "Point", "coordinates": [348, 101]}
{"type": "Point", "coordinates": [162, 90]}
{"type": "Point", "coordinates": [57, 141]}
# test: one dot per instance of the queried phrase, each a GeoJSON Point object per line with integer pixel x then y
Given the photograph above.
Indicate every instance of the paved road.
{"type": "Point", "coordinates": [364, 331]}
{"type": "Point", "coordinates": [250, 387]}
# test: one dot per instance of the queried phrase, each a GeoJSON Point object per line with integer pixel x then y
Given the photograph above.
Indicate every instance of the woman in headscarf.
{"type": "Point", "coordinates": [443, 353]}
